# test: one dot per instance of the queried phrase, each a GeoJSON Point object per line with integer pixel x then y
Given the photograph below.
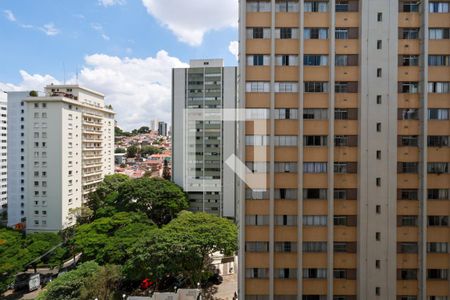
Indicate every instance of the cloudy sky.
{"type": "Point", "coordinates": [122, 48]}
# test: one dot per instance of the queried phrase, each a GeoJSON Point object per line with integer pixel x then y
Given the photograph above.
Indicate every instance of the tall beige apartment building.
{"type": "Point", "coordinates": [348, 136]}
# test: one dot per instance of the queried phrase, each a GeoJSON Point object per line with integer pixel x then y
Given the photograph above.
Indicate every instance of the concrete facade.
{"type": "Point", "coordinates": [3, 151]}
{"type": "Point", "coordinates": [201, 147]}
{"type": "Point", "coordinates": [68, 149]}
{"type": "Point", "coordinates": [354, 97]}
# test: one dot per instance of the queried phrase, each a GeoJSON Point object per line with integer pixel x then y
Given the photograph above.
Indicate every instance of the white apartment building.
{"type": "Point", "coordinates": [68, 149]}
{"type": "Point", "coordinates": [16, 157]}
{"type": "Point", "coordinates": [3, 152]}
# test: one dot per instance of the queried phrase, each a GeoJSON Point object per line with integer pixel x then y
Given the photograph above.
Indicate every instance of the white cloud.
{"type": "Point", "coordinates": [190, 20]}
{"type": "Point", "coordinates": [50, 29]}
{"type": "Point", "coordinates": [29, 82]}
{"type": "Point", "coordinates": [107, 3]}
{"type": "Point", "coordinates": [139, 89]}
{"type": "Point", "coordinates": [9, 15]}
{"type": "Point", "coordinates": [233, 47]}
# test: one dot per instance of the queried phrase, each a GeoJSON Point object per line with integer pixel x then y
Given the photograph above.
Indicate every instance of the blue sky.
{"type": "Point", "coordinates": [132, 41]}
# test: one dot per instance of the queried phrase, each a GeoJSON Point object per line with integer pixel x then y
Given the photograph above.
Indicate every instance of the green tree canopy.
{"type": "Point", "coordinates": [150, 150]}
{"type": "Point", "coordinates": [160, 199]}
{"type": "Point", "coordinates": [132, 151]}
{"type": "Point", "coordinates": [182, 248]}
{"type": "Point", "coordinates": [120, 150]}
{"type": "Point", "coordinates": [106, 240]}
{"type": "Point", "coordinates": [68, 285]}
{"type": "Point", "coordinates": [18, 250]}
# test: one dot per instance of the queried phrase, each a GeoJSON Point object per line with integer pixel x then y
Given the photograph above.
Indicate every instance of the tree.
{"type": "Point", "coordinates": [120, 150]}
{"type": "Point", "coordinates": [33, 94]}
{"type": "Point", "coordinates": [150, 150]}
{"type": "Point", "coordinates": [69, 285]}
{"type": "Point", "coordinates": [103, 200]}
{"type": "Point", "coordinates": [143, 129]}
{"type": "Point", "coordinates": [106, 240]}
{"type": "Point", "coordinates": [160, 199]}
{"type": "Point", "coordinates": [182, 249]}
{"type": "Point", "coordinates": [119, 132]}
{"type": "Point", "coordinates": [102, 284]}
{"type": "Point", "coordinates": [18, 250]}
{"type": "Point", "coordinates": [132, 151]}
{"type": "Point", "coordinates": [166, 171]}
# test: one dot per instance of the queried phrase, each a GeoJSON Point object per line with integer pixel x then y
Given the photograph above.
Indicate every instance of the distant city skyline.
{"type": "Point", "coordinates": [129, 61]}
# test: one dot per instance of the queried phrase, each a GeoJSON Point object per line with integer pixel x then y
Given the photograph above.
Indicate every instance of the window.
{"type": "Point", "coordinates": [314, 246]}
{"type": "Point", "coordinates": [439, 87]}
{"type": "Point", "coordinates": [438, 194]}
{"type": "Point", "coordinates": [316, 194]}
{"type": "Point", "coordinates": [344, 247]}
{"type": "Point", "coordinates": [257, 246]}
{"type": "Point", "coordinates": [378, 155]}
{"type": "Point", "coordinates": [408, 167]}
{"type": "Point", "coordinates": [315, 33]}
{"type": "Point", "coordinates": [407, 194]}
{"type": "Point", "coordinates": [286, 60]}
{"type": "Point", "coordinates": [259, 6]}
{"type": "Point", "coordinates": [439, 33]}
{"type": "Point", "coordinates": [315, 167]}
{"type": "Point", "coordinates": [409, 6]}
{"type": "Point", "coordinates": [255, 220]}
{"type": "Point", "coordinates": [346, 141]}
{"type": "Point", "coordinates": [408, 114]}
{"type": "Point", "coordinates": [285, 167]}
{"type": "Point", "coordinates": [437, 247]}
{"type": "Point", "coordinates": [378, 181]}
{"type": "Point", "coordinates": [345, 194]}
{"type": "Point", "coordinates": [408, 60]}
{"type": "Point", "coordinates": [346, 114]}
{"type": "Point", "coordinates": [285, 247]}
{"type": "Point", "coordinates": [286, 6]}
{"type": "Point", "coordinates": [286, 220]}
{"type": "Point", "coordinates": [286, 33]}
{"type": "Point", "coordinates": [316, 6]}
{"type": "Point", "coordinates": [408, 140]}
{"type": "Point", "coordinates": [438, 141]}
{"type": "Point", "coordinates": [346, 33]}
{"type": "Point", "coordinates": [258, 33]}
{"type": "Point", "coordinates": [437, 220]}
{"type": "Point", "coordinates": [378, 127]}
{"type": "Point", "coordinates": [409, 221]}
{"type": "Point", "coordinates": [286, 114]}
{"type": "Point", "coordinates": [439, 60]}
{"type": "Point", "coordinates": [286, 194]}
{"type": "Point", "coordinates": [379, 17]}
{"type": "Point", "coordinates": [258, 60]}
{"type": "Point", "coordinates": [379, 44]}
{"type": "Point", "coordinates": [285, 273]}
{"type": "Point", "coordinates": [315, 140]}
{"type": "Point", "coordinates": [438, 7]}
{"type": "Point", "coordinates": [345, 167]}
{"type": "Point", "coordinates": [280, 140]}
{"type": "Point", "coordinates": [346, 87]}
{"type": "Point", "coordinates": [315, 273]}
{"type": "Point", "coordinates": [378, 209]}
{"type": "Point", "coordinates": [378, 99]}
{"type": "Point", "coordinates": [439, 274]}
{"type": "Point", "coordinates": [438, 114]}
{"type": "Point", "coordinates": [408, 87]}
{"type": "Point", "coordinates": [344, 6]}
{"type": "Point", "coordinates": [406, 247]}
{"type": "Point", "coordinates": [258, 86]}
{"type": "Point", "coordinates": [315, 114]}
{"type": "Point", "coordinates": [409, 33]}
{"type": "Point", "coordinates": [257, 114]}
{"type": "Point", "coordinates": [315, 220]}
{"type": "Point", "coordinates": [346, 60]}
{"type": "Point", "coordinates": [285, 87]}
{"type": "Point", "coordinates": [315, 60]}
{"type": "Point", "coordinates": [316, 87]}
{"type": "Point", "coordinates": [257, 273]}
{"type": "Point", "coordinates": [407, 274]}
{"type": "Point", "coordinates": [379, 72]}
{"type": "Point", "coordinates": [256, 194]}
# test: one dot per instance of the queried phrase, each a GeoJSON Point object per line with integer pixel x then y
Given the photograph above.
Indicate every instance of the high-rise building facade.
{"type": "Point", "coordinates": [3, 152]}
{"type": "Point", "coordinates": [154, 125]}
{"type": "Point", "coordinates": [202, 139]}
{"type": "Point", "coordinates": [67, 149]}
{"type": "Point", "coordinates": [349, 102]}
{"type": "Point", "coordinates": [162, 128]}
{"type": "Point", "coordinates": [16, 157]}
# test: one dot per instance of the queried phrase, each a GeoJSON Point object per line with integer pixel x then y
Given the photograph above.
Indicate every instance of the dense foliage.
{"type": "Point", "coordinates": [18, 250]}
